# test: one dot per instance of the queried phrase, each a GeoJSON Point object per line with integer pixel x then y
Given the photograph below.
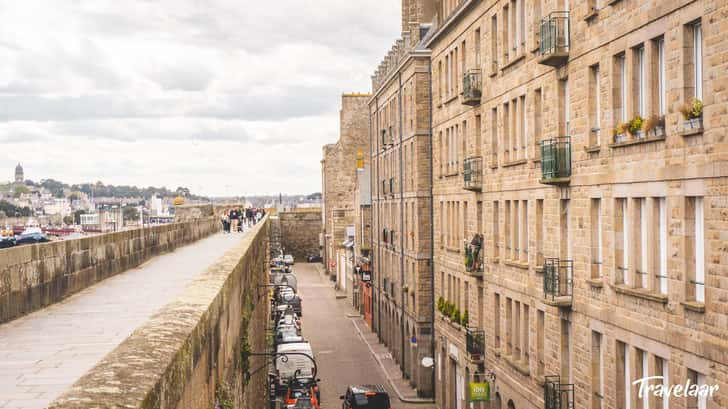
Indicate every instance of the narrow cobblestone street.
{"type": "Point", "coordinates": [342, 355]}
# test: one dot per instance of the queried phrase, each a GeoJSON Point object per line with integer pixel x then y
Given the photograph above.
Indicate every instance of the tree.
{"type": "Point", "coordinates": [68, 220]}
{"type": "Point", "coordinates": [11, 210]}
{"type": "Point", "coordinates": [131, 213]}
{"type": "Point", "coordinates": [77, 215]}
{"type": "Point", "coordinates": [19, 190]}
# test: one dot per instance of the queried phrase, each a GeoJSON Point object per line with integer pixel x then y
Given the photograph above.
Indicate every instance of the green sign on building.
{"type": "Point", "coordinates": [479, 392]}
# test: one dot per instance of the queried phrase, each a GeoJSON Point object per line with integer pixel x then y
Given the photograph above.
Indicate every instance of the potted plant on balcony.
{"type": "Point", "coordinates": [620, 132]}
{"type": "Point", "coordinates": [440, 304]}
{"type": "Point", "coordinates": [455, 316]}
{"type": "Point", "coordinates": [465, 318]}
{"type": "Point", "coordinates": [634, 127]}
{"type": "Point", "coordinates": [693, 114]}
{"type": "Point", "coordinates": [654, 127]}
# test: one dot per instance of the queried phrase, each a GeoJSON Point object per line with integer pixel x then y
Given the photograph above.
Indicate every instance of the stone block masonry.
{"type": "Point", "coordinates": [300, 232]}
{"type": "Point", "coordinates": [190, 354]}
{"type": "Point", "coordinates": [33, 277]}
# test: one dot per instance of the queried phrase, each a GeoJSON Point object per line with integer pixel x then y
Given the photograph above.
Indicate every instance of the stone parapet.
{"type": "Point", "coordinates": [189, 355]}
{"type": "Point", "coordinates": [35, 276]}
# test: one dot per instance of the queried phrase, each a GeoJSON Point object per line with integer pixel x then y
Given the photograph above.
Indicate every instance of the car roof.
{"type": "Point", "coordinates": [294, 346]}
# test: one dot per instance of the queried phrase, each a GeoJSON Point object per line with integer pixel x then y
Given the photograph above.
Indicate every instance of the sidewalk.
{"type": "Point", "coordinates": [322, 272]}
{"type": "Point", "coordinates": [386, 362]}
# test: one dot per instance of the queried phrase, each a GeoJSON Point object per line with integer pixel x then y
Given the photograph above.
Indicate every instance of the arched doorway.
{"type": "Point", "coordinates": [498, 404]}
{"type": "Point", "coordinates": [511, 405]}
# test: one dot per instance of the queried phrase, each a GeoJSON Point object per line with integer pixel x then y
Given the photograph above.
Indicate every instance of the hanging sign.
{"type": "Point", "coordinates": [479, 392]}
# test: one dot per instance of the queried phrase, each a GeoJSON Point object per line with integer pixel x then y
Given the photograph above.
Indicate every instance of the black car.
{"type": "Point", "coordinates": [6, 242]}
{"type": "Point", "coordinates": [365, 397]}
{"type": "Point", "coordinates": [313, 258]}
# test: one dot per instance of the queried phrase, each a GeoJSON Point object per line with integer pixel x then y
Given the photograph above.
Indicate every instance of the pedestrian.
{"type": "Point", "coordinates": [233, 220]}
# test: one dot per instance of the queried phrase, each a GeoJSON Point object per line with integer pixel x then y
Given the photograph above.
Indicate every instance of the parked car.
{"type": "Point", "coordinates": [288, 335]}
{"type": "Point", "coordinates": [7, 241]}
{"type": "Point", "coordinates": [294, 365]}
{"type": "Point", "coordinates": [294, 302]}
{"type": "Point", "coordinates": [31, 235]}
{"type": "Point", "coordinates": [314, 258]}
{"type": "Point", "coordinates": [365, 396]}
{"type": "Point", "coordinates": [288, 259]}
{"type": "Point", "coordinates": [302, 391]}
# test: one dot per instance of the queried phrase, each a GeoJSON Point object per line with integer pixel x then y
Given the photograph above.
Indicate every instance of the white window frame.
{"type": "Point", "coordinates": [598, 104]}
{"type": "Point", "coordinates": [641, 80]}
{"type": "Point", "coordinates": [665, 382]}
{"type": "Point", "coordinates": [699, 250]}
{"type": "Point", "coordinates": [643, 243]}
{"type": "Point", "coordinates": [698, 59]}
{"type": "Point", "coordinates": [625, 241]}
{"type": "Point", "coordinates": [661, 75]}
{"type": "Point", "coordinates": [662, 204]}
{"type": "Point", "coordinates": [565, 84]}
{"type": "Point", "coordinates": [623, 85]}
{"type": "Point", "coordinates": [645, 373]}
{"type": "Point", "coordinates": [703, 397]}
{"type": "Point", "coordinates": [627, 378]}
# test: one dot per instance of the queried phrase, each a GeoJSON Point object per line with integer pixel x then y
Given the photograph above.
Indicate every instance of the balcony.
{"type": "Point", "coordinates": [558, 284]}
{"type": "Point", "coordinates": [554, 39]}
{"type": "Point", "coordinates": [557, 395]}
{"type": "Point", "coordinates": [473, 174]}
{"type": "Point", "coordinates": [474, 256]}
{"type": "Point", "coordinates": [472, 87]}
{"type": "Point", "coordinates": [556, 161]}
{"type": "Point", "coordinates": [475, 344]}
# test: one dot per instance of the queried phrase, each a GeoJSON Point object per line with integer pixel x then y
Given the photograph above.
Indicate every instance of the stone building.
{"type": "Point", "coordinates": [361, 288]}
{"type": "Point", "coordinates": [339, 177]}
{"type": "Point", "coordinates": [588, 249]}
{"type": "Point", "coordinates": [401, 198]}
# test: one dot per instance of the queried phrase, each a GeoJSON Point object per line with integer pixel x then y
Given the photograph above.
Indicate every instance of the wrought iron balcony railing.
{"type": "Point", "coordinates": [556, 161]}
{"type": "Point", "coordinates": [554, 41]}
{"type": "Point", "coordinates": [472, 87]}
{"type": "Point", "coordinates": [557, 395]}
{"type": "Point", "coordinates": [475, 344]}
{"type": "Point", "coordinates": [558, 281]}
{"type": "Point", "coordinates": [473, 173]}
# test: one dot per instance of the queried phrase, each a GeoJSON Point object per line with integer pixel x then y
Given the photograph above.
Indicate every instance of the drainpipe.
{"type": "Point", "coordinates": [401, 221]}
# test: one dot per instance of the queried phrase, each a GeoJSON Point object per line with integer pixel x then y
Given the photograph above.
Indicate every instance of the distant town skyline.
{"type": "Point", "coordinates": [216, 98]}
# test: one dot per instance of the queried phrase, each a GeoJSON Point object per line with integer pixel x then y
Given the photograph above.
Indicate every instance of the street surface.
{"type": "Point", "coordinates": [342, 356]}
{"type": "Point", "coordinates": [45, 352]}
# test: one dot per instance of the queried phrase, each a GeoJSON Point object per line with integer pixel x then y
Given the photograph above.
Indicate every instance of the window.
{"type": "Point", "coordinates": [494, 137]}
{"type": "Point", "coordinates": [539, 232]}
{"type": "Point", "coordinates": [524, 231]}
{"type": "Point", "coordinates": [698, 59]}
{"type": "Point", "coordinates": [597, 370]}
{"type": "Point", "coordinates": [496, 232]}
{"type": "Point", "coordinates": [477, 48]}
{"type": "Point", "coordinates": [564, 224]}
{"type": "Point", "coordinates": [442, 81]}
{"type": "Point", "coordinates": [596, 238]}
{"type": "Point", "coordinates": [517, 331]}
{"type": "Point", "coordinates": [522, 124]}
{"type": "Point", "coordinates": [566, 350]}
{"type": "Point", "coordinates": [661, 369]}
{"type": "Point", "coordinates": [540, 341]}
{"type": "Point", "coordinates": [564, 91]}
{"type": "Point", "coordinates": [639, 81]}
{"type": "Point", "coordinates": [658, 74]}
{"type": "Point", "coordinates": [509, 235]}
{"type": "Point", "coordinates": [701, 401]}
{"type": "Point", "coordinates": [622, 73]}
{"type": "Point", "coordinates": [695, 237]}
{"type": "Point", "coordinates": [478, 135]}
{"type": "Point", "coordinates": [496, 319]}
{"type": "Point", "coordinates": [526, 332]}
{"type": "Point", "coordinates": [494, 42]}
{"type": "Point", "coordinates": [594, 105]}
{"type": "Point", "coordinates": [621, 241]}
{"type": "Point", "coordinates": [641, 269]}
{"type": "Point", "coordinates": [642, 370]}
{"type": "Point", "coordinates": [506, 35]}
{"type": "Point", "coordinates": [623, 376]}
{"type": "Point", "coordinates": [537, 121]}
{"type": "Point", "coordinates": [660, 234]}
{"type": "Point", "coordinates": [506, 132]}
{"type": "Point", "coordinates": [509, 328]}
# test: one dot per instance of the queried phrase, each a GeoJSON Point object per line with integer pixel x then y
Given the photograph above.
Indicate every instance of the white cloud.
{"type": "Point", "coordinates": [223, 96]}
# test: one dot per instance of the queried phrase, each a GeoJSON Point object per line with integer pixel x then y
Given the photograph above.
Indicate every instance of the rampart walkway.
{"type": "Point", "coordinates": [45, 352]}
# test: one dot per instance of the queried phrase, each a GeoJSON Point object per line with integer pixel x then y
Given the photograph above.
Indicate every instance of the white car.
{"type": "Point", "coordinates": [288, 259]}
{"type": "Point", "coordinates": [287, 367]}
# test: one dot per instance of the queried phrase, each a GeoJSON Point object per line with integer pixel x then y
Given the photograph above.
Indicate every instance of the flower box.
{"type": "Point", "coordinates": [693, 123]}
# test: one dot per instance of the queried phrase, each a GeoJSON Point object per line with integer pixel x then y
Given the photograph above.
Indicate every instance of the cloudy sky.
{"type": "Point", "coordinates": [222, 96]}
